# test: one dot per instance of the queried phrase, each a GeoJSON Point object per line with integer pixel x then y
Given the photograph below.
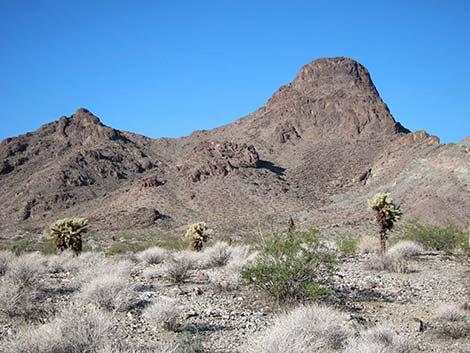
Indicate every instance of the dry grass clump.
{"type": "Point", "coordinates": [165, 312]}
{"type": "Point", "coordinates": [111, 291]}
{"type": "Point", "coordinates": [6, 258]}
{"type": "Point", "coordinates": [76, 330]}
{"type": "Point", "coordinates": [369, 245]}
{"type": "Point", "coordinates": [229, 261]}
{"type": "Point", "coordinates": [405, 249]}
{"type": "Point", "coordinates": [95, 265]}
{"type": "Point", "coordinates": [228, 277]}
{"type": "Point", "coordinates": [396, 258]}
{"type": "Point", "coordinates": [452, 321]}
{"type": "Point", "coordinates": [63, 262]}
{"type": "Point", "coordinates": [153, 256]}
{"type": "Point", "coordinates": [225, 280]}
{"type": "Point", "coordinates": [387, 263]}
{"type": "Point", "coordinates": [307, 329]}
{"type": "Point", "coordinates": [22, 286]}
{"type": "Point", "coordinates": [241, 255]}
{"type": "Point", "coordinates": [27, 270]}
{"type": "Point", "coordinates": [379, 339]}
{"type": "Point", "coordinates": [218, 255]}
{"type": "Point", "coordinates": [178, 270]}
{"type": "Point", "coordinates": [155, 347]}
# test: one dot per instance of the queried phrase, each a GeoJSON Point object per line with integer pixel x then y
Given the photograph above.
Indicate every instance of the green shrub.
{"type": "Point", "coordinates": [347, 246]}
{"type": "Point", "coordinates": [432, 237]}
{"type": "Point", "coordinates": [288, 266]}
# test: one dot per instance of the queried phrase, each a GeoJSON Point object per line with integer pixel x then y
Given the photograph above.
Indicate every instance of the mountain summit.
{"type": "Point", "coordinates": [316, 151]}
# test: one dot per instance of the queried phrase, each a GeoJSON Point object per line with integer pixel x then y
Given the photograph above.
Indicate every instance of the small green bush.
{"type": "Point", "coordinates": [432, 237]}
{"type": "Point", "coordinates": [288, 266]}
{"type": "Point", "coordinates": [347, 246]}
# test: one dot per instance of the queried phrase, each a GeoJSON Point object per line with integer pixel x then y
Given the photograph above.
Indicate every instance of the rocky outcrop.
{"type": "Point", "coordinates": [211, 158]}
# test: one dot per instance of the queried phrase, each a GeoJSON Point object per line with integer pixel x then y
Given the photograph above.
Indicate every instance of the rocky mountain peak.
{"type": "Point", "coordinates": [86, 117]}
{"type": "Point", "coordinates": [331, 71]}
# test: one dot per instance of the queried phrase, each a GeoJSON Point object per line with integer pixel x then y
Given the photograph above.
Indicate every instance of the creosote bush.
{"type": "Point", "coordinates": [288, 266]}
{"type": "Point", "coordinates": [449, 238]}
{"type": "Point", "coordinates": [199, 233]}
{"type": "Point", "coordinates": [67, 234]}
{"type": "Point", "coordinates": [347, 246]}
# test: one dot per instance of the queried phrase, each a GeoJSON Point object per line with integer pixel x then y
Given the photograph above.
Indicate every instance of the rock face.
{"type": "Point", "coordinates": [316, 151]}
{"type": "Point", "coordinates": [210, 158]}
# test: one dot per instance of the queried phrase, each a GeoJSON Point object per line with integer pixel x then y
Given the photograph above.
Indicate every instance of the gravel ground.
{"type": "Point", "coordinates": [225, 320]}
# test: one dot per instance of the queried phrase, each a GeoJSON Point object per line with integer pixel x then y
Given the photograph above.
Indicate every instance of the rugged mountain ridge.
{"type": "Point", "coordinates": [319, 147]}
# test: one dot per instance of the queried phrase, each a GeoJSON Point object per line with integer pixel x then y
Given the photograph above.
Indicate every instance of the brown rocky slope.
{"type": "Point", "coordinates": [316, 151]}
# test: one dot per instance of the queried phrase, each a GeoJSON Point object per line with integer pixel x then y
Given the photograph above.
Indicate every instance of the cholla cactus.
{"type": "Point", "coordinates": [199, 233]}
{"type": "Point", "coordinates": [386, 214]}
{"type": "Point", "coordinates": [67, 233]}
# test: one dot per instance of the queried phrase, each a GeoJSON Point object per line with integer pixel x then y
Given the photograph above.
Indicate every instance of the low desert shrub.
{"type": "Point", "coordinates": [110, 291]}
{"type": "Point", "coordinates": [22, 286]}
{"type": "Point", "coordinates": [187, 342]}
{"type": "Point", "coordinates": [307, 329]}
{"type": "Point", "coordinates": [178, 270]}
{"type": "Point", "coordinates": [347, 246]}
{"type": "Point", "coordinates": [27, 270]}
{"type": "Point", "coordinates": [16, 300]}
{"type": "Point", "coordinates": [395, 259]}
{"type": "Point", "coordinates": [133, 347]}
{"type": "Point", "coordinates": [153, 256]}
{"type": "Point", "coordinates": [225, 280]}
{"type": "Point", "coordinates": [165, 312]}
{"type": "Point", "coordinates": [452, 321]}
{"type": "Point", "coordinates": [379, 339]}
{"type": "Point", "coordinates": [369, 245]}
{"type": "Point", "coordinates": [405, 249]}
{"type": "Point", "coordinates": [64, 262]}
{"type": "Point", "coordinates": [218, 255]}
{"type": "Point", "coordinates": [76, 330]}
{"type": "Point", "coordinates": [6, 259]}
{"type": "Point", "coordinates": [92, 265]}
{"type": "Point", "coordinates": [388, 263]}
{"type": "Point", "coordinates": [432, 237]}
{"type": "Point", "coordinates": [288, 266]}
{"type": "Point", "coordinates": [228, 277]}
{"type": "Point", "coordinates": [241, 255]}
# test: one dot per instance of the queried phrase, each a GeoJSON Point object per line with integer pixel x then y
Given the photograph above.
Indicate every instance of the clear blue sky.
{"type": "Point", "coordinates": [166, 68]}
